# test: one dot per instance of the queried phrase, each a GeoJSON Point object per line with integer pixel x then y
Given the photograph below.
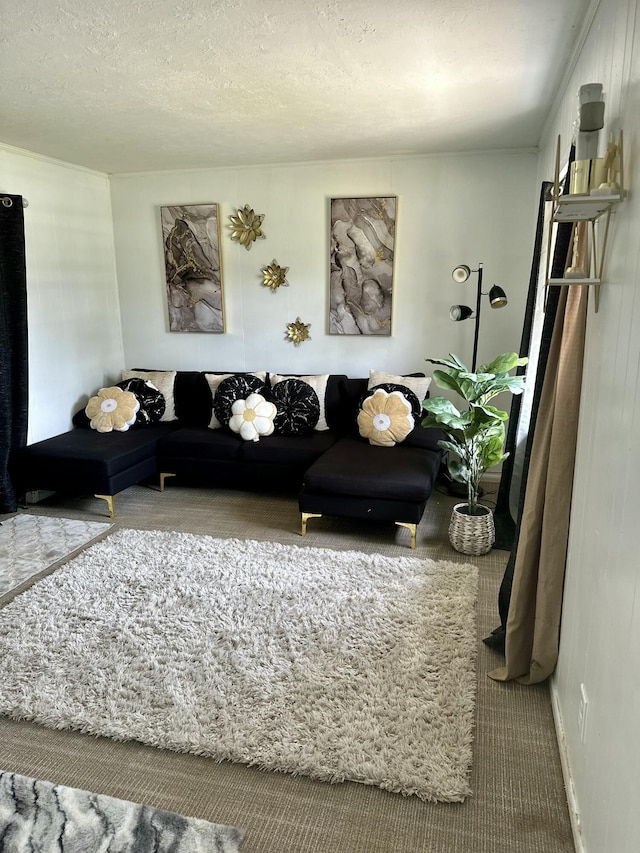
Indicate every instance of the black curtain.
{"type": "Point", "coordinates": [14, 397]}
{"type": "Point", "coordinates": [506, 527]}
{"type": "Point", "coordinates": [504, 522]}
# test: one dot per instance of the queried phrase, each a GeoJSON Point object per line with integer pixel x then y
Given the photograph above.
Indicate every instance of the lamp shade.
{"type": "Point", "coordinates": [460, 312]}
{"type": "Point", "coordinates": [497, 297]}
{"type": "Point", "coordinates": [461, 273]}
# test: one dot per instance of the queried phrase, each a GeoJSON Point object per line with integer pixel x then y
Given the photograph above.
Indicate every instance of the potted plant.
{"type": "Point", "coordinates": [475, 437]}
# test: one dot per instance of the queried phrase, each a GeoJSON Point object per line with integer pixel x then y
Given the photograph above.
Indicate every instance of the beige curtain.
{"type": "Point", "coordinates": [533, 625]}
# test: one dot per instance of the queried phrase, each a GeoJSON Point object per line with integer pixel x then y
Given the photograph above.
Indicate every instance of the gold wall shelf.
{"type": "Point", "coordinates": [590, 209]}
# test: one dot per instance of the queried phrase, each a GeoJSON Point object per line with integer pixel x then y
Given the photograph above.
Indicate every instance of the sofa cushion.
{"type": "Point", "coordinates": [297, 407]}
{"type": "Point", "coordinates": [164, 381]}
{"type": "Point", "coordinates": [86, 452]}
{"type": "Point", "coordinates": [319, 382]}
{"type": "Point", "coordinates": [407, 393]}
{"type": "Point", "coordinates": [252, 418]}
{"type": "Point", "coordinates": [241, 391]}
{"type": "Point", "coordinates": [112, 409]}
{"type": "Point", "coordinates": [353, 467]}
{"type": "Point", "coordinates": [300, 450]}
{"type": "Point", "coordinates": [151, 400]}
{"type": "Point", "coordinates": [416, 382]}
{"type": "Point", "coordinates": [198, 443]}
{"type": "Point", "coordinates": [235, 387]}
{"type": "Point", "coordinates": [385, 418]}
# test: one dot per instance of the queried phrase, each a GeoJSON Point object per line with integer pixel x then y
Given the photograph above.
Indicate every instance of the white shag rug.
{"type": "Point", "coordinates": [29, 544]}
{"type": "Point", "coordinates": [331, 664]}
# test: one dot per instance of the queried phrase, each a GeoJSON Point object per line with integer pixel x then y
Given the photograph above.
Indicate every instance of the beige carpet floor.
{"type": "Point", "coordinates": [518, 803]}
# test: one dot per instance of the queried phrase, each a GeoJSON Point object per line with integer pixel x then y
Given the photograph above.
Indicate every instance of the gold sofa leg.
{"type": "Point", "coordinates": [110, 503]}
{"type": "Point", "coordinates": [412, 528]}
{"type": "Point", "coordinates": [305, 517]}
{"type": "Point", "coordinates": [163, 477]}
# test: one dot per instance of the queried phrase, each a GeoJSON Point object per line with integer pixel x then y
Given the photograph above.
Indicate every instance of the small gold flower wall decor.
{"type": "Point", "coordinates": [246, 226]}
{"type": "Point", "coordinates": [275, 276]}
{"type": "Point", "coordinates": [298, 332]}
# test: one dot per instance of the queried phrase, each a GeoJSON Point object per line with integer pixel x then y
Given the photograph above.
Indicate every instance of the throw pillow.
{"type": "Point", "coordinates": [297, 405]}
{"type": "Point", "coordinates": [235, 387]}
{"type": "Point", "coordinates": [385, 418]}
{"type": "Point", "coordinates": [164, 381]}
{"type": "Point", "coordinates": [252, 417]}
{"type": "Point", "coordinates": [214, 380]}
{"type": "Point", "coordinates": [112, 408]}
{"type": "Point", "coordinates": [319, 384]}
{"type": "Point", "coordinates": [151, 400]}
{"type": "Point", "coordinates": [418, 384]}
{"type": "Point", "coordinates": [416, 405]}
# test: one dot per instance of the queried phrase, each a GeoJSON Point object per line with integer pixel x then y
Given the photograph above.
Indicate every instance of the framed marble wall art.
{"type": "Point", "coordinates": [363, 233]}
{"type": "Point", "coordinates": [193, 267]}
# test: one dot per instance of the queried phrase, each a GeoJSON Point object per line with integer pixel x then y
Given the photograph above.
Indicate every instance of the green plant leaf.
{"type": "Point", "coordinates": [504, 363]}
{"type": "Point", "coordinates": [458, 470]}
{"type": "Point", "coordinates": [453, 361]}
{"type": "Point", "coordinates": [444, 379]}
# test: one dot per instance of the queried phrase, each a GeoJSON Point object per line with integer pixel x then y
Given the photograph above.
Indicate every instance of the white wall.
{"type": "Point", "coordinates": [600, 639]}
{"type": "Point", "coordinates": [451, 210]}
{"type": "Point", "coordinates": [75, 340]}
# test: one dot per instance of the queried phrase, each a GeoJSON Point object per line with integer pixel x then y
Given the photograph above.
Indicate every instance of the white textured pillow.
{"type": "Point", "coordinates": [164, 381]}
{"type": "Point", "coordinates": [418, 384]}
{"type": "Point", "coordinates": [319, 384]}
{"type": "Point", "coordinates": [214, 380]}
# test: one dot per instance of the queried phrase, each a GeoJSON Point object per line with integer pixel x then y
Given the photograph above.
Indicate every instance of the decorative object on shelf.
{"type": "Point", "coordinates": [497, 299]}
{"type": "Point", "coordinates": [275, 276]}
{"type": "Point", "coordinates": [193, 267]}
{"type": "Point", "coordinates": [361, 262]}
{"type": "Point", "coordinates": [585, 265]}
{"type": "Point", "coordinates": [474, 437]}
{"type": "Point", "coordinates": [246, 226]}
{"type": "Point", "coordinates": [298, 332]}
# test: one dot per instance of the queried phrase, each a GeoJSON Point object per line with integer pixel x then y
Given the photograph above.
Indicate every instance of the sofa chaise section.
{"type": "Point", "coordinates": [84, 461]}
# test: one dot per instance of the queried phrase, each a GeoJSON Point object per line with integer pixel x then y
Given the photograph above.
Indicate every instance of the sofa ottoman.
{"type": "Point", "coordinates": [356, 479]}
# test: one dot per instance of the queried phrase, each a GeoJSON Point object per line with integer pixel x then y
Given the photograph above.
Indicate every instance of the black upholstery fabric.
{"type": "Point", "coordinates": [389, 387]}
{"type": "Point", "coordinates": [151, 400]}
{"type": "Point", "coordinates": [371, 509]}
{"type": "Point", "coordinates": [294, 449]}
{"type": "Point", "coordinates": [353, 467]}
{"type": "Point", "coordinates": [88, 461]}
{"type": "Point", "coordinates": [236, 387]}
{"type": "Point", "coordinates": [198, 443]}
{"type": "Point", "coordinates": [14, 389]}
{"type": "Point", "coordinates": [297, 407]}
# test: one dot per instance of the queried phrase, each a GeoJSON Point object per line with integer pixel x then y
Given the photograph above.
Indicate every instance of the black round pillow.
{"type": "Point", "coordinates": [236, 387]}
{"type": "Point", "coordinates": [297, 407]}
{"type": "Point", "coordinates": [152, 402]}
{"type": "Point", "coordinates": [412, 399]}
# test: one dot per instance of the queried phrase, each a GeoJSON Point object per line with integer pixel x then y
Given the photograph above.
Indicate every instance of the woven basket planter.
{"type": "Point", "coordinates": [471, 534]}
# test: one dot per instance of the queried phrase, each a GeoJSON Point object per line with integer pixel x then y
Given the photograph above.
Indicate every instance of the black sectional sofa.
{"type": "Point", "coordinates": [335, 471]}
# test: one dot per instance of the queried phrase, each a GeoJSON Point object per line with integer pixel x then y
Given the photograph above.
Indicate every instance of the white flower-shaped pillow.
{"type": "Point", "coordinates": [252, 417]}
{"type": "Point", "coordinates": [112, 408]}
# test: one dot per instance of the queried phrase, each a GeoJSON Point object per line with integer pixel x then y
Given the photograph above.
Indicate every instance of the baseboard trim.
{"type": "Point", "coordinates": [574, 810]}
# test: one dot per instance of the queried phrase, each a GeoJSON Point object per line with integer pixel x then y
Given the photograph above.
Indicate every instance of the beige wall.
{"type": "Point", "coordinates": [600, 637]}
{"type": "Point", "coordinates": [451, 210]}
{"type": "Point", "coordinates": [75, 341]}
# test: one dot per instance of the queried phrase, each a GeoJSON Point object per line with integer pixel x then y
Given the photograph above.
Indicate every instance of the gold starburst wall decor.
{"type": "Point", "coordinates": [275, 276]}
{"type": "Point", "coordinates": [246, 226]}
{"type": "Point", "coordinates": [298, 332]}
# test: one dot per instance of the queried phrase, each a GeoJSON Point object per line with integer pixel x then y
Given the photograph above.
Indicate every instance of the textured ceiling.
{"type": "Point", "coordinates": [139, 85]}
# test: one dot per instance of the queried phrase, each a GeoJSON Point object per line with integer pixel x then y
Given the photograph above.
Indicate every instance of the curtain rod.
{"type": "Point", "coordinates": [8, 202]}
